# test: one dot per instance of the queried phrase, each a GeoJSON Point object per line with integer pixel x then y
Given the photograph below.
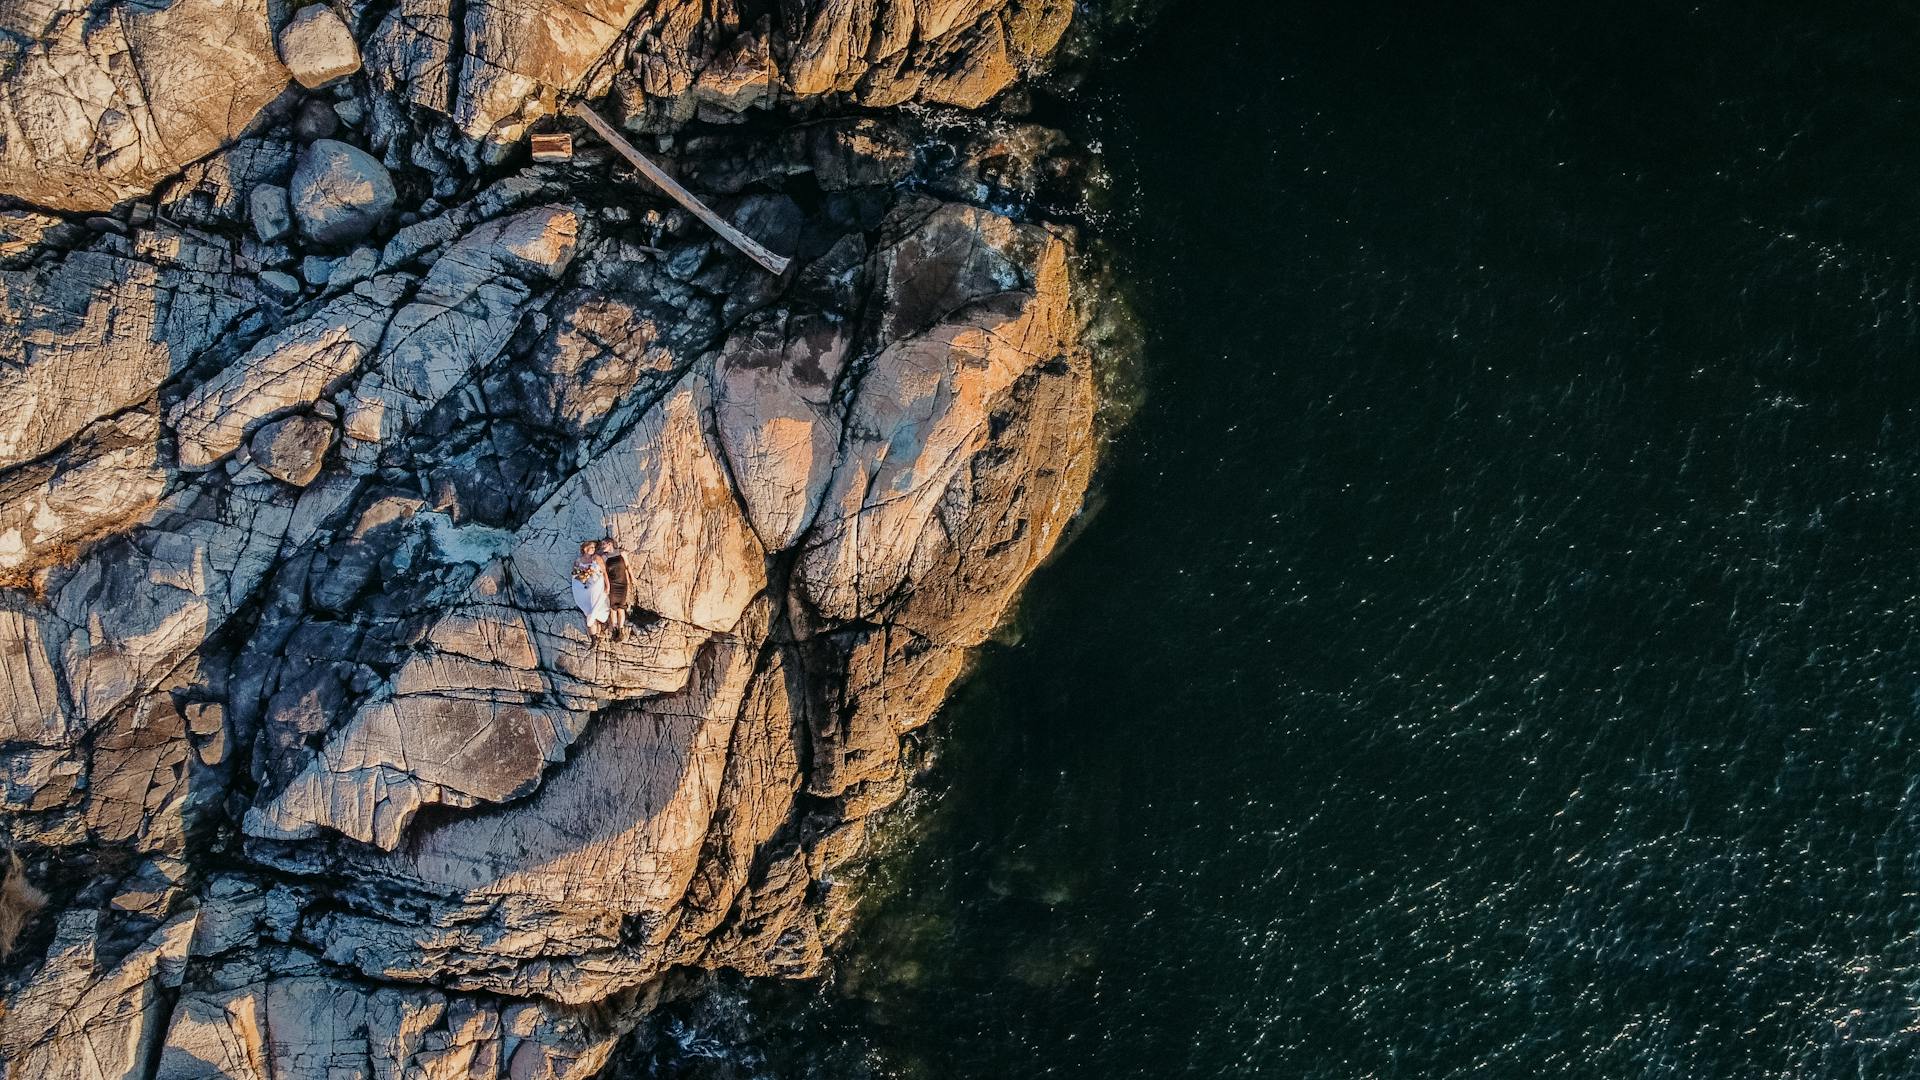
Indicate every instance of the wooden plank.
{"type": "Point", "coordinates": [774, 264]}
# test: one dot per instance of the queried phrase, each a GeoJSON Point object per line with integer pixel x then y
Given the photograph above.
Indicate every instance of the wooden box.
{"type": "Point", "coordinates": [553, 147]}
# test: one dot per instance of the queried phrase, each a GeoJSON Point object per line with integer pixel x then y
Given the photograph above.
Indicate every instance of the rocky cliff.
{"type": "Point", "coordinates": [310, 383]}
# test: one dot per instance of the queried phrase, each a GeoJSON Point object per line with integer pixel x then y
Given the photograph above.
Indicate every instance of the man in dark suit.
{"type": "Point", "coordinates": [619, 585]}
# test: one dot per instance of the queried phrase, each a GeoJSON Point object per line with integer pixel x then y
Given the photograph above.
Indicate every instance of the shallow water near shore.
{"type": "Point", "coordinates": [1495, 651]}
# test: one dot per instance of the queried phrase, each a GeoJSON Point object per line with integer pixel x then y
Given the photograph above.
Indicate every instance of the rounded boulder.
{"type": "Point", "coordinates": [339, 192]}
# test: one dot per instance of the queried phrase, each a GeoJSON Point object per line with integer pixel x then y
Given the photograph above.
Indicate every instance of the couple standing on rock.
{"type": "Point", "coordinates": [602, 588]}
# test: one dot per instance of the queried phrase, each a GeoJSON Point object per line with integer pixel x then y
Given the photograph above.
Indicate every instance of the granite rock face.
{"type": "Point", "coordinates": [100, 101]}
{"type": "Point", "coordinates": [300, 732]}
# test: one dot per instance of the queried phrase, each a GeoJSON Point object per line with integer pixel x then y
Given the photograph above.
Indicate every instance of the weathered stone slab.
{"type": "Point", "coordinates": [102, 101]}
{"type": "Point", "coordinates": [294, 367]}
{"type": "Point", "coordinates": [776, 418]}
{"type": "Point", "coordinates": [976, 302]}
{"type": "Point", "coordinates": [108, 482]}
{"type": "Point", "coordinates": [75, 1019]}
{"type": "Point", "coordinates": [460, 318]}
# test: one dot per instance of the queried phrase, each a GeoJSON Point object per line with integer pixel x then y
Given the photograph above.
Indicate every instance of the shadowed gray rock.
{"type": "Point", "coordinates": [271, 214]}
{"type": "Point", "coordinates": [340, 193]}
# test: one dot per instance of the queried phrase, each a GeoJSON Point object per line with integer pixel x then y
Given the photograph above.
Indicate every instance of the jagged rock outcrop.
{"type": "Point", "coordinates": [670, 61]}
{"type": "Point", "coordinates": [293, 449]}
{"type": "Point", "coordinates": [96, 332]}
{"type": "Point", "coordinates": [300, 731]}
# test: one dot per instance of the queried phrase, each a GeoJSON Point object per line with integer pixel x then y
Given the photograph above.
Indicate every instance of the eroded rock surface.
{"type": "Point", "coordinates": [300, 731]}
{"type": "Point", "coordinates": [499, 65]}
{"type": "Point", "coordinates": [98, 102]}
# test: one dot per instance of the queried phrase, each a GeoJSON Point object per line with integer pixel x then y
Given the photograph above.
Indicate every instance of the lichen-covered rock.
{"type": "Point", "coordinates": [972, 302]}
{"type": "Point", "coordinates": [777, 420]}
{"type": "Point", "coordinates": [339, 192]}
{"type": "Point", "coordinates": [521, 51]}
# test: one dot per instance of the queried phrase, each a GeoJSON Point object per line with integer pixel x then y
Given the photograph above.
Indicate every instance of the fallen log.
{"type": "Point", "coordinates": [774, 264]}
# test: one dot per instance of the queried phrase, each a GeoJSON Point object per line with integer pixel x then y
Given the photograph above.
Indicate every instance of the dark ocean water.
{"type": "Point", "coordinates": [1495, 652]}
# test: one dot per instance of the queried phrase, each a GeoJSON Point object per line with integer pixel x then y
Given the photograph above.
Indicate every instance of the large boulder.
{"type": "Point", "coordinates": [340, 193]}
{"type": "Point", "coordinates": [292, 450]}
{"type": "Point", "coordinates": [101, 101]}
{"type": "Point", "coordinates": [318, 48]}
{"type": "Point", "coordinates": [776, 419]}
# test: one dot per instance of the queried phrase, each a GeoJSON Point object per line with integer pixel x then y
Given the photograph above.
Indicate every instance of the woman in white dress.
{"type": "Point", "coordinates": [590, 589]}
